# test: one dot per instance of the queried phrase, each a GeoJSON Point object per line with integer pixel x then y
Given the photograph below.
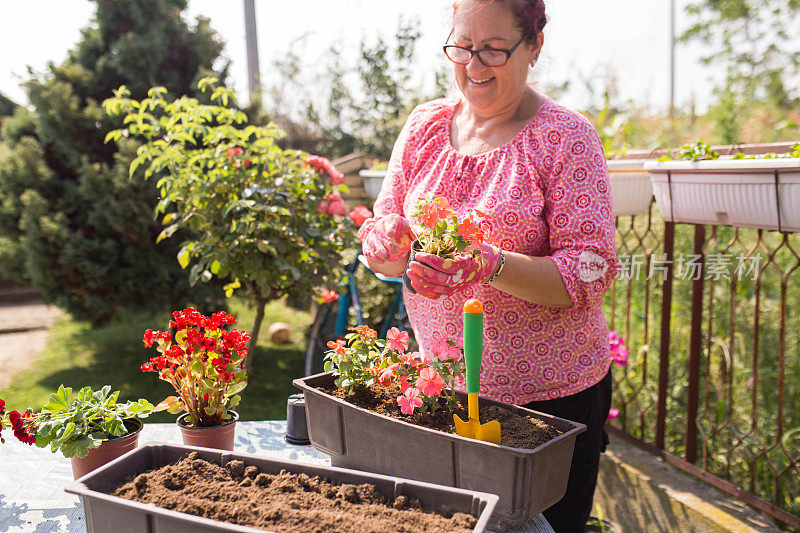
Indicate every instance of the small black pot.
{"type": "Point", "coordinates": [296, 428]}
{"type": "Point", "coordinates": [415, 247]}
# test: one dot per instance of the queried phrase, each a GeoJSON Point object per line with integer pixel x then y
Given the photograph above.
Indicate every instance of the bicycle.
{"type": "Point", "coordinates": [333, 318]}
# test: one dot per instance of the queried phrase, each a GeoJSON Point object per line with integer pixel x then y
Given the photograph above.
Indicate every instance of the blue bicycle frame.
{"type": "Point", "coordinates": [351, 298]}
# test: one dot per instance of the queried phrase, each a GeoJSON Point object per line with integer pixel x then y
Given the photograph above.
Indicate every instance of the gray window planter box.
{"type": "Point", "coordinates": [527, 481]}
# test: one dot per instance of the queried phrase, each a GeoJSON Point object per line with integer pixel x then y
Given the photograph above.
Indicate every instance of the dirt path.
{"type": "Point", "coordinates": [24, 329]}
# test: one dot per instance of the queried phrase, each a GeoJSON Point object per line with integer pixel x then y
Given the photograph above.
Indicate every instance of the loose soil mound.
{"type": "Point", "coordinates": [283, 502]}
{"type": "Point", "coordinates": [515, 430]}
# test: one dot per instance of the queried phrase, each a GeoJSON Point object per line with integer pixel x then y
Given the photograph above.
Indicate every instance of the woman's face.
{"type": "Point", "coordinates": [490, 90]}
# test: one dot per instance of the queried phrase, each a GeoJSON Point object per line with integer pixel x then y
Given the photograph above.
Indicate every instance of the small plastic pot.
{"type": "Point", "coordinates": [109, 450]}
{"type": "Point", "coordinates": [296, 428]}
{"type": "Point", "coordinates": [219, 437]}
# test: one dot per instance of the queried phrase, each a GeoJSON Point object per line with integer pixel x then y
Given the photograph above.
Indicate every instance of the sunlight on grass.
{"type": "Point", "coordinates": [78, 355]}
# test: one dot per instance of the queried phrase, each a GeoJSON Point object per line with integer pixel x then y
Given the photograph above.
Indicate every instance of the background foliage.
{"type": "Point", "coordinates": [71, 222]}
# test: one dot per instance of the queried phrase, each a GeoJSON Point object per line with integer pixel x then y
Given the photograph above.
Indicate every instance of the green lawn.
{"type": "Point", "coordinates": [78, 355]}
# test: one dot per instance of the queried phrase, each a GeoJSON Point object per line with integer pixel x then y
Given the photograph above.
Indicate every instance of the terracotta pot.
{"type": "Point", "coordinates": [108, 451]}
{"type": "Point", "coordinates": [219, 437]}
{"type": "Point", "coordinates": [527, 481]}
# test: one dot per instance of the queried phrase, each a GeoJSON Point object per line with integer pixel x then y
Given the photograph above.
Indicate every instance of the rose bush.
{"type": "Point", "coordinates": [426, 383]}
{"type": "Point", "coordinates": [270, 221]}
{"type": "Point", "coordinates": [202, 363]}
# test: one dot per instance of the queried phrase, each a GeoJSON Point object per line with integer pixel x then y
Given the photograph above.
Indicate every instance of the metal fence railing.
{"type": "Point", "coordinates": [712, 383]}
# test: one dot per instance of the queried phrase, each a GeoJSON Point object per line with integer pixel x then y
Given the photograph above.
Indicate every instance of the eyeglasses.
{"type": "Point", "coordinates": [491, 57]}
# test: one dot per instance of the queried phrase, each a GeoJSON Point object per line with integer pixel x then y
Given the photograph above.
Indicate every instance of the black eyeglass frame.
{"type": "Point", "coordinates": [472, 53]}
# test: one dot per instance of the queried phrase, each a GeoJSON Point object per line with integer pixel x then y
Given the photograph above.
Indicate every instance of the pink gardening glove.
{"type": "Point", "coordinates": [432, 276]}
{"type": "Point", "coordinates": [386, 239]}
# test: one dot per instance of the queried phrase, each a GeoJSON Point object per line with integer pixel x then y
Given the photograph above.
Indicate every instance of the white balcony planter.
{"type": "Point", "coordinates": [372, 180]}
{"type": "Point", "coordinates": [631, 189]}
{"type": "Point", "coordinates": [749, 193]}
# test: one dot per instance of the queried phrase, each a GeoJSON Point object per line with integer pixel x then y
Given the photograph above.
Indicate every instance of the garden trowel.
{"type": "Point", "coordinates": [473, 350]}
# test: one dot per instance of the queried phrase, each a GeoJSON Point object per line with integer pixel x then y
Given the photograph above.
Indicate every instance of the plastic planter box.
{"type": "Point", "coordinates": [106, 513]}
{"type": "Point", "coordinates": [372, 180]}
{"type": "Point", "coordinates": [631, 189]}
{"type": "Point", "coordinates": [749, 193]}
{"type": "Point", "coordinates": [527, 481]}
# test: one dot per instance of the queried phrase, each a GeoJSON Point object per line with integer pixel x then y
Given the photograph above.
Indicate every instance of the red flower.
{"type": "Point", "coordinates": [329, 296]}
{"type": "Point", "coordinates": [434, 211]}
{"type": "Point", "coordinates": [360, 214]}
{"type": "Point", "coordinates": [23, 429]}
{"type": "Point", "coordinates": [470, 231]}
{"type": "Point", "coordinates": [2, 406]}
{"type": "Point", "coordinates": [233, 152]}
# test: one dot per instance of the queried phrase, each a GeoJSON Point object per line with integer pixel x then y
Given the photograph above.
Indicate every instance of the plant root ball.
{"type": "Point", "coordinates": [279, 333]}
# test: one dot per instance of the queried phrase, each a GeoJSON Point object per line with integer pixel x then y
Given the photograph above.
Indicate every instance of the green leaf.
{"type": "Point", "coordinates": [134, 165]}
{"type": "Point", "coordinates": [236, 388]}
{"type": "Point", "coordinates": [183, 257]}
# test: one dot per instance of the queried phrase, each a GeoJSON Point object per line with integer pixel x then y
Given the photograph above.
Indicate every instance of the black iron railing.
{"type": "Point", "coordinates": [712, 383]}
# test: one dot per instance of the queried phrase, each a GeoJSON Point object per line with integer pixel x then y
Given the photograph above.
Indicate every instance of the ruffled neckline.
{"type": "Point", "coordinates": [447, 124]}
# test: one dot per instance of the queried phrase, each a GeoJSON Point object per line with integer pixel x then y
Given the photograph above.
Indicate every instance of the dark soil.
{"type": "Point", "coordinates": [515, 430]}
{"type": "Point", "coordinates": [240, 494]}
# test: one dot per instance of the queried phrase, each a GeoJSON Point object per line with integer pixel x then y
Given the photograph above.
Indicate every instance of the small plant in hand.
{"type": "Point", "coordinates": [426, 383]}
{"type": "Point", "coordinates": [202, 363]}
{"type": "Point", "coordinates": [440, 231]}
{"type": "Point", "coordinates": [75, 422]}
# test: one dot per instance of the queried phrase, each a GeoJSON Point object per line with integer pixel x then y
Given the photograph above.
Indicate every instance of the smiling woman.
{"type": "Point", "coordinates": [537, 171]}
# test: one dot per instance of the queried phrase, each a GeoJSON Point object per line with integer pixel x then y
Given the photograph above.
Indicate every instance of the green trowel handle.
{"type": "Point", "coordinates": [473, 348]}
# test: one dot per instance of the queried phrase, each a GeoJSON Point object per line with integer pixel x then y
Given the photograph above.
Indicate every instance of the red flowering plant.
{"type": "Point", "coordinates": [441, 233]}
{"type": "Point", "coordinates": [203, 364]}
{"type": "Point", "coordinates": [268, 221]}
{"type": "Point", "coordinates": [426, 383]}
{"type": "Point", "coordinates": [23, 425]}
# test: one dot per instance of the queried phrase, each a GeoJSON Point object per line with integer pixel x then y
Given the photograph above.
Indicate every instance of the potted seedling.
{"type": "Point", "coordinates": [87, 426]}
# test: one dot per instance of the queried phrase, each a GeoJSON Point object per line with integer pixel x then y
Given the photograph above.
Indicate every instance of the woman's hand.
{"type": "Point", "coordinates": [386, 239]}
{"type": "Point", "coordinates": [432, 276]}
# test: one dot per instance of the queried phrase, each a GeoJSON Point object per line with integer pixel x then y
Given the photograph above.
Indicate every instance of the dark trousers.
{"type": "Point", "coordinates": [590, 407]}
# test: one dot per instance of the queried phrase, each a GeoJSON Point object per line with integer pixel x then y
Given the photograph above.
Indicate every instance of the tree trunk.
{"type": "Point", "coordinates": [251, 347]}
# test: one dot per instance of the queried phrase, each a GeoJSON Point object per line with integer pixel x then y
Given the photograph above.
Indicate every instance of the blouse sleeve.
{"type": "Point", "coordinates": [579, 214]}
{"type": "Point", "coordinates": [395, 184]}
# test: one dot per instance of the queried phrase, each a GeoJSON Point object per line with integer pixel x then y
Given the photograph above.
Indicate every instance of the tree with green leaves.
{"type": "Point", "coordinates": [756, 42]}
{"type": "Point", "coordinates": [366, 106]}
{"type": "Point", "coordinates": [262, 218]}
{"type": "Point", "coordinates": [72, 223]}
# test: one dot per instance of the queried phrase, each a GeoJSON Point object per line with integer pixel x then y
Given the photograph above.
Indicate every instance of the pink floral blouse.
{"type": "Point", "coordinates": [546, 193]}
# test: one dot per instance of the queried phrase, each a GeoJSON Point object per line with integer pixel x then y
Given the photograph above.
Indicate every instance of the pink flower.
{"type": "Point", "coordinates": [359, 215]}
{"type": "Point", "coordinates": [411, 358]}
{"type": "Point", "coordinates": [443, 351]}
{"type": "Point", "coordinates": [397, 340]}
{"type": "Point", "coordinates": [429, 382]}
{"type": "Point", "coordinates": [404, 384]}
{"type": "Point", "coordinates": [619, 354]}
{"type": "Point", "coordinates": [613, 413]}
{"type": "Point", "coordinates": [332, 205]}
{"type": "Point", "coordinates": [385, 377]}
{"type": "Point", "coordinates": [322, 164]}
{"type": "Point", "coordinates": [409, 401]}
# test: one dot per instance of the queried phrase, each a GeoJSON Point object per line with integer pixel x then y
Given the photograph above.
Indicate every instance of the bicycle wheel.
{"type": "Point", "coordinates": [321, 331]}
